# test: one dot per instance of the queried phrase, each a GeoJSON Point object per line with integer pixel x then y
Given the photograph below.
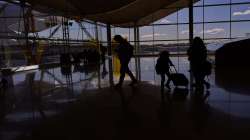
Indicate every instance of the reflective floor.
{"type": "Point", "coordinates": [76, 102]}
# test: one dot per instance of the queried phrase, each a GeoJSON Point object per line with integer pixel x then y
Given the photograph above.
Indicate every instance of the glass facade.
{"type": "Point", "coordinates": [214, 21]}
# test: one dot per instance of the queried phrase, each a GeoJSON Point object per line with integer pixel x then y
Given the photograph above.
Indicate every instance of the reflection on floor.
{"type": "Point", "coordinates": [77, 103]}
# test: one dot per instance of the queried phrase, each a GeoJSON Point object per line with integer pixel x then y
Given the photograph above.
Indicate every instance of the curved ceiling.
{"type": "Point", "coordinates": [78, 7]}
{"type": "Point", "coordinates": [122, 13]}
{"type": "Point", "coordinates": [132, 12]}
{"type": "Point", "coordinates": [158, 14]}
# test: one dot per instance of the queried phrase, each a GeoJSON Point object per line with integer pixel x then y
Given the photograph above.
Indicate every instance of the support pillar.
{"type": "Point", "coordinates": [137, 59]}
{"type": "Point", "coordinates": [191, 33]}
{"type": "Point", "coordinates": [111, 80]}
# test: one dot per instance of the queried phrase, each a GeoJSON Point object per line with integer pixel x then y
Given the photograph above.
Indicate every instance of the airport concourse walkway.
{"type": "Point", "coordinates": [54, 103]}
{"type": "Point", "coordinates": [142, 112]}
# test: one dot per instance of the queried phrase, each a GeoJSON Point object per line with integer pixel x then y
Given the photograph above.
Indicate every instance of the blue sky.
{"type": "Point", "coordinates": [169, 32]}
{"type": "Point", "coordinates": [211, 30]}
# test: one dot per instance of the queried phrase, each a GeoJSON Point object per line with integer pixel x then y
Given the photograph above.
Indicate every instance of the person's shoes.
{"type": "Point", "coordinates": [168, 87]}
{"type": "Point", "coordinates": [133, 83]}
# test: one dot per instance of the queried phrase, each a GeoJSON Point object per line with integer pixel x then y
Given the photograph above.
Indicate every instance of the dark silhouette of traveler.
{"type": "Point", "coordinates": [197, 55]}
{"type": "Point", "coordinates": [3, 88]}
{"type": "Point", "coordinates": [104, 70]}
{"type": "Point", "coordinates": [162, 68]}
{"type": "Point", "coordinates": [125, 52]}
{"type": "Point", "coordinates": [3, 83]}
{"type": "Point", "coordinates": [103, 52]}
{"type": "Point", "coordinates": [76, 57]}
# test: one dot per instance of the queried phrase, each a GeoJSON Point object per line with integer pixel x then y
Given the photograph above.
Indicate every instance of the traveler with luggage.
{"type": "Point", "coordinates": [125, 52]}
{"type": "Point", "coordinates": [200, 66]}
{"type": "Point", "coordinates": [162, 68]}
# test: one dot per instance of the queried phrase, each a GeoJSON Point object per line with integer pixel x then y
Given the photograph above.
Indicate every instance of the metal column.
{"type": "Point", "coordinates": [98, 45]}
{"type": "Point", "coordinates": [137, 59]}
{"type": "Point", "coordinates": [138, 49]}
{"type": "Point", "coordinates": [111, 80]}
{"type": "Point", "coordinates": [191, 32]}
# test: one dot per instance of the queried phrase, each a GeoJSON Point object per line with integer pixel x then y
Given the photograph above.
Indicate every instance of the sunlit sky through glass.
{"type": "Point", "coordinates": [221, 14]}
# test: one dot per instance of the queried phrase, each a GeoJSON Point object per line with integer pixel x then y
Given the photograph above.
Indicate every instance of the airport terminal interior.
{"type": "Point", "coordinates": [59, 70]}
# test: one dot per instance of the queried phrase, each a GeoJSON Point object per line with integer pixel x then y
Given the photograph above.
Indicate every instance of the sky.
{"type": "Point", "coordinates": [211, 30]}
{"type": "Point", "coordinates": [172, 32]}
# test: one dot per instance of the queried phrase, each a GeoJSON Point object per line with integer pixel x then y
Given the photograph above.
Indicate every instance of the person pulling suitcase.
{"type": "Point", "coordinates": [163, 68]}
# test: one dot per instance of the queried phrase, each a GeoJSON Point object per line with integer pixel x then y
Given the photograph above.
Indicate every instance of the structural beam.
{"type": "Point", "coordinates": [110, 55]}
{"type": "Point", "coordinates": [191, 32]}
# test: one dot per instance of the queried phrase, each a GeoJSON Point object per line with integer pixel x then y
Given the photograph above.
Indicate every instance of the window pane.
{"type": "Point", "coordinates": [216, 1]}
{"type": "Point", "coordinates": [146, 33]}
{"type": "Point", "coordinates": [165, 32]}
{"type": "Point", "coordinates": [241, 29]}
{"type": "Point", "coordinates": [217, 13]}
{"type": "Point", "coordinates": [183, 16]}
{"type": "Point", "coordinates": [217, 30]}
{"type": "Point", "coordinates": [198, 14]}
{"type": "Point", "coordinates": [239, 1]}
{"type": "Point", "coordinates": [241, 12]}
{"type": "Point", "coordinates": [198, 30]}
{"type": "Point", "coordinates": [183, 31]}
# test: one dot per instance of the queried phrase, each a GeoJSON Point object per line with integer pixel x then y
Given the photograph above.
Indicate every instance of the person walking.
{"type": "Point", "coordinates": [125, 52]}
{"type": "Point", "coordinates": [197, 55]}
{"type": "Point", "coordinates": [162, 68]}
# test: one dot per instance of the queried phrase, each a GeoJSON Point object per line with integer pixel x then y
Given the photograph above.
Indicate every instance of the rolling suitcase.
{"type": "Point", "coordinates": [179, 79]}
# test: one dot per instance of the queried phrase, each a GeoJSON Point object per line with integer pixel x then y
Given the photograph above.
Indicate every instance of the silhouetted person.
{"type": "Point", "coordinates": [197, 55]}
{"type": "Point", "coordinates": [76, 57]}
{"type": "Point", "coordinates": [3, 87]}
{"type": "Point", "coordinates": [65, 58]}
{"type": "Point", "coordinates": [104, 70]}
{"type": "Point", "coordinates": [125, 52]}
{"type": "Point", "coordinates": [3, 83]}
{"type": "Point", "coordinates": [103, 52]}
{"type": "Point", "coordinates": [162, 68]}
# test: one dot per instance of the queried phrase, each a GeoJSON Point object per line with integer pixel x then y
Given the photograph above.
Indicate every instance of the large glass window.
{"type": "Point", "coordinates": [146, 33]}
{"type": "Point", "coordinates": [165, 32]}
{"type": "Point", "coordinates": [241, 30]}
{"type": "Point", "coordinates": [183, 31]}
{"type": "Point", "coordinates": [240, 1]}
{"type": "Point", "coordinates": [217, 13]}
{"type": "Point", "coordinates": [183, 16]}
{"type": "Point", "coordinates": [241, 12]}
{"type": "Point", "coordinates": [198, 14]}
{"type": "Point", "coordinates": [216, 30]}
{"type": "Point", "coordinates": [209, 2]}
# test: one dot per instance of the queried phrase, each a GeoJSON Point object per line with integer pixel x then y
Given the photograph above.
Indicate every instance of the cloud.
{"type": "Point", "coordinates": [209, 31]}
{"type": "Point", "coordinates": [165, 21]}
{"type": "Point", "coordinates": [151, 35]}
{"type": "Point", "coordinates": [186, 32]}
{"type": "Point", "coordinates": [242, 13]}
{"type": "Point", "coordinates": [213, 31]}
